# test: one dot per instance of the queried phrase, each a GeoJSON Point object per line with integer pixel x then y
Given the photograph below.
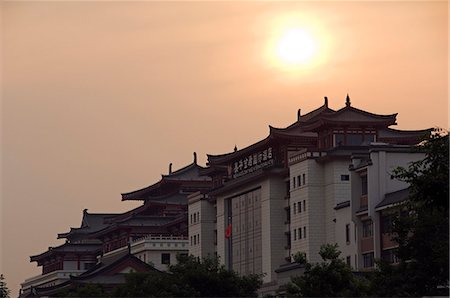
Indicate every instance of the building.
{"type": "Point", "coordinates": [377, 199]}
{"type": "Point", "coordinates": [151, 234]}
{"type": "Point", "coordinates": [290, 192]}
{"type": "Point", "coordinates": [323, 179]}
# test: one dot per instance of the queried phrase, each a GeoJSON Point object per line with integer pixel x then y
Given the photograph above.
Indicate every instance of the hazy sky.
{"type": "Point", "coordinates": [99, 97]}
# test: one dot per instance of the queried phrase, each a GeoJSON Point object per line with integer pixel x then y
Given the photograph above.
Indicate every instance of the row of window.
{"type": "Point", "coordinates": [298, 207]}
{"type": "Point", "coordinates": [195, 217]}
{"type": "Point", "coordinates": [300, 234]}
{"type": "Point", "coordinates": [298, 181]}
{"type": "Point", "coordinates": [195, 240]}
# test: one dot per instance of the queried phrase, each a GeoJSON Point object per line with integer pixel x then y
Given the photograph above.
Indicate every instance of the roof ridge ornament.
{"type": "Point", "coordinates": [195, 157]}
{"type": "Point", "coordinates": [235, 148]}
{"type": "Point", "coordinates": [170, 168]}
{"type": "Point", "coordinates": [347, 101]}
{"type": "Point", "coordinates": [299, 114]}
{"type": "Point", "coordinates": [325, 101]}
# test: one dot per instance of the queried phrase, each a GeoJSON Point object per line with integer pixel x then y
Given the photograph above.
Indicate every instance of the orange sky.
{"type": "Point", "coordinates": [99, 97]}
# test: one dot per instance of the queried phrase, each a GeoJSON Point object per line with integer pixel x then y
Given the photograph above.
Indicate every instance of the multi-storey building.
{"type": "Point", "coordinates": [323, 179]}
{"type": "Point", "coordinates": [151, 234]}
{"type": "Point", "coordinates": [377, 199]}
{"type": "Point", "coordinates": [289, 193]}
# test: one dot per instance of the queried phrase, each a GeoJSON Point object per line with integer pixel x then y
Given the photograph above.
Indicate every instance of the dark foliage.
{"type": "Point", "coordinates": [4, 291]}
{"type": "Point", "coordinates": [191, 277]}
{"type": "Point", "coordinates": [331, 278]}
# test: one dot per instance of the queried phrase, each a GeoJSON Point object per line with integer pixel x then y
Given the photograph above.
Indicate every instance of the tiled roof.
{"type": "Point", "coordinates": [394, 197]}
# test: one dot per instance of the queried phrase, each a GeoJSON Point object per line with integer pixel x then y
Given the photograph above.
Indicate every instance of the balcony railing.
{"type": "Point", "coordinates": [50, 279]}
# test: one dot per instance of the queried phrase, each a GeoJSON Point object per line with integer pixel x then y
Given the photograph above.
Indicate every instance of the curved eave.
{"type": "Point", "coordinates": [225, 158]}
{"type": "Point", "coordinates": [322, 122]}
{"type": "Point", "coordinates": [142, 193]}
{"type": "Point", "coordinates": [183, 170]}
{"type": "Point", "coordinates": [369, 114]}
{"type": "Point", "coordinates": [213, 169]}
{"type": "Point", "coordinates": [309, 117]}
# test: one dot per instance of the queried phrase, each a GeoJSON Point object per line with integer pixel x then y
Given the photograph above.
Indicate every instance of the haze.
{"type": "Point", "coordinates": [99, 97]}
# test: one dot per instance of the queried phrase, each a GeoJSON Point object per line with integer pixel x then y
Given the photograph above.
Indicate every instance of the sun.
{"type": "Point", "coordinates": [296, 46]}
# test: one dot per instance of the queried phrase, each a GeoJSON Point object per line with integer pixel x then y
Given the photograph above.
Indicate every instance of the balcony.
{"type": "Point", "coordinates": [387, 242]}
{"type": "Point", "coordinates": [363, 201]}
{"type": "Point", "coordinates": [366, 244]}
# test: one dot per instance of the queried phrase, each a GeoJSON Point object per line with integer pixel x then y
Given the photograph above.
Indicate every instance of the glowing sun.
{"type": "Point", "coordinates": [296, 46]}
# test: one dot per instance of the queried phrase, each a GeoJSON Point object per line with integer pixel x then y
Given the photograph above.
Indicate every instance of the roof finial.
{"type": "Point", "coordinates": [347, 100]}
{"type": "Point", "coordinates": [85, 210]}
{"type": "Point", "coordinates": [195, 157]}
{"type": "Point", "coordinates": [326, 101]}
{"type": "Point", "coordinates": [299, 114]}
{"type": "Point", "coordinates": [170, 168]}
{"type": "Point", "coordinates": [235, 148]}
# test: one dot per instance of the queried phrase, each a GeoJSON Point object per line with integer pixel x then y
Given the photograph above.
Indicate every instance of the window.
{"type": "Point", "coordinates": [293, 182]}
{"type": "Point", "coordinates": [364, 185]}
{"type": "Point", "coordinates": [349, 261]}
{"type": "Point", "coordinates": [295, 208]}
{"type": "Point", "coordinates": [300, 207]}
{"type": "Point", "coordinates": [195, 217]}
{"type": "Point", "coordinates": [295, 234]}
{"type": "Point", "coordinates": [304, 205]}
{"type": "Point", "coordinates": [390, 256]}
{"type": "Point", "coordinates": [304, 232]}
{"type": "Point", "coordinates": [369, 138]}
{"type": "Point", "coordinates": [165, 258]}
{"type": "Point", "coordinates": [368, 260]}
{"type": "Point", "coordinates": [198, 238]}
{"type": "Point", "coordinates": [299, 233]}
{"type": "Point", "coordinates": [345, 177]}
{"type": "Point", "coordinates": [338, 139]}
{"type": "Point", "coordinates": [191, 218]}
{"type": "Point", "coordinates": [198, 216]}
{"type": "Point", "coordinates": [354, 139]}
{"type": "Point", "coordinates": [347, 233]}
{"type": "Point", "coordinates": [191, 241]}
{"type": "Point", "coordinates": [195, 239]}
{"type": "Point", "coordinates": [387, 223]}
{"type": "Point", "coordinates": [304, 179]}
{"type": "Point", "coordinates": [299, 182]}
{"type": "Point", "coordinates": [367, 229]}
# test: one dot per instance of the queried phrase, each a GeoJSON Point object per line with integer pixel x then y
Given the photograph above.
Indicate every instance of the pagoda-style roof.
{"type": "Point", "coordinates": [304, 132]}
{"type": "Point", "coordinates": [149, 224]}
{"type": "Point", "coordinates": [91, 223]}
{"type": "Point", "coordinates": [109, 271]}
{"type": "Point", "coordinates": [405, 137]}
{"type": "Point", "coordinates": [66, 248]}
{"type": "Point", "coordinates": [351, 116]}
{"type": "Point", "coordinates": [302, 139]}
{"type": "Point", "coordinates": [188, 177]}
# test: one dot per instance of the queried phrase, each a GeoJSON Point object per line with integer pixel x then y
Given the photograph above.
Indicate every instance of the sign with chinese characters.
{"type": "Point", "coordinates": [253, 162]}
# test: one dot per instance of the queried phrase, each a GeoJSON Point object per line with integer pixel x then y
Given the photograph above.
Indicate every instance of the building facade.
{"type": "Point", "coordinates": [292, 192]}
{"type": "Point", "coordinates": [377, 198]}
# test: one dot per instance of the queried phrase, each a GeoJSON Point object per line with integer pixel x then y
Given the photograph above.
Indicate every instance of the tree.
{"type": "Point", "coordinates": [191, 277]}
{"type": "Point", "coordinates": [4, 291]}
{"type": "Point", "coordinates": [331, 278]}
{"type": "Point", "coordinates": [422, 235]}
